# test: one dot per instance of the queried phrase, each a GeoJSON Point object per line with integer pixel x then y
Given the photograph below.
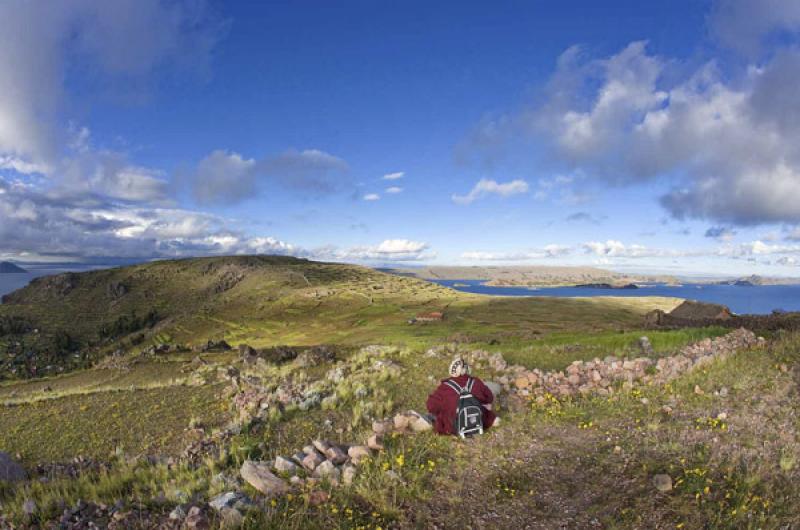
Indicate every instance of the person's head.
{"type": "Point", "coordinates": [458, 367]}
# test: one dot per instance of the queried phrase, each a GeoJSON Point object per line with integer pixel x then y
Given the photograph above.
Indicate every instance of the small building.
{"type": "Point", "coordinates": [434, 316]}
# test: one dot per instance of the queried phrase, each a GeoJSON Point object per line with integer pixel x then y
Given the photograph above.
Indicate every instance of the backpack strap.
{"type": "Point", "coordinates": [470, 383]}
{"type": "Point", "coordinates": [455, 386]}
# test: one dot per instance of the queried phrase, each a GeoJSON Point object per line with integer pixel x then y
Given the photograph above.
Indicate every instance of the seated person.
{"type": "Point", "coordinates": [443, 404]}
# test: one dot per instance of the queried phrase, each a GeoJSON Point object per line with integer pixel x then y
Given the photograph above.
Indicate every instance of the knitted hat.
{"type": "Point", "coordinates": [458, 367]}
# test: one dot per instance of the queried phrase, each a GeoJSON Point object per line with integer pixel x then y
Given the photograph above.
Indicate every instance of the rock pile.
{"type": "Point", "coordinates": [603, 376]}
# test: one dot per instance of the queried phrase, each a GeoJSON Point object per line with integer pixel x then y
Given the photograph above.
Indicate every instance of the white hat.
{"type": "Point", "coordinates": [458, 367]}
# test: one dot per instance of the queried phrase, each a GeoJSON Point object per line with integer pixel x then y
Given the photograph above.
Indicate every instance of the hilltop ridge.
{"type": "Point", "coordinates": [7, 267]}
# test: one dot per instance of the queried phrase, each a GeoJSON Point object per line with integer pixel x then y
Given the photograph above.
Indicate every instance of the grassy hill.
{"type": "Point", "coordinates": [70, 320]}
{"type": "Point", "coordinates": [132, 416]}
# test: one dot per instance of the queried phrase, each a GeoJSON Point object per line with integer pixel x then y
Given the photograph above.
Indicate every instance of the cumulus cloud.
{"type": "Point", "coordinates": [38, 39]}
{"type": "Point", "coordinates": [225, 177]}
{"type": "Point", "coordinates": [617, 249]}
{"type": "Point", "coordinates": [485, 187]}
{"type": "Point", "coordinates": [387, 250]}
{"type": "Point", "coordinates": [372, 197]}
{"type": "Point", "coordinates": [393, 176]}
{"type": "Point", "coordinates": [394, 189]}
{"type": "Point", "coordinates": [743, 25]}
{"type": "Point", "coordinates": [732, 150]}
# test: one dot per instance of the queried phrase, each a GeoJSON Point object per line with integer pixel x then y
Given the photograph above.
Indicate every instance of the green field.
{"type": "Point", "coordinates": [555, 463]}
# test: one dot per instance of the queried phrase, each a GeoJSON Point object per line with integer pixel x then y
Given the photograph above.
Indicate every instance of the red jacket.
{"type": "Point", "coordinates": [444, 400]}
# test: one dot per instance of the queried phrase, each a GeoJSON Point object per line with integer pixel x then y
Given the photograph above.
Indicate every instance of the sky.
{"type": "Point", "coordinates": [659, 136]}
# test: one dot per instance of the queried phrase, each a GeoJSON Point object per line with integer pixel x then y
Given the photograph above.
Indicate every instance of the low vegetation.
{"type": "Point", "coordinates": [116, 436]}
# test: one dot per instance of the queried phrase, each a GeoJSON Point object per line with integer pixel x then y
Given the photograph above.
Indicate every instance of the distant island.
{"type": "Point", "coordinates": [606, 286]}
{"type": "Point", "coordinates": [536, 276]}
{"type": "Point", "coordinates": [6, 267]}
{"type": "Point", "coordinates": [754, 280]}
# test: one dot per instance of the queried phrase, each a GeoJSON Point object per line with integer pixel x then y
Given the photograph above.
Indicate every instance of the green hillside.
{"type": "Point", "coordinates": [71, 320]}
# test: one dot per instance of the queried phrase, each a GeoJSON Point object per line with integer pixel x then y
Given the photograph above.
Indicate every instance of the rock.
{"type": "Point", "coordinates": [698, 390]}
{"type": "Point", "coordinates": [645, 346]}
{"type": "Point", "coordinates": [401, 422]}
{"type": "Point", "coordinates": [662, 482]}
{"type": "Point", "coordinates": [284, 465]}
{"type": "Point", "coordinates": [494, 387]}
{"type": "Point", "coordinates": [574, 379]}
{"type": "Point", "coordinates": [321, 445]}
{"type": "Point", "coordinates": [420, 424]}
{"type": "Point", "coordinates": [348, 474]}
{"type": "Point", "coordinates": [522, 382]}
{"type": "Point", "coordinates": [178, 513]}
{"type": "Point", "coordinates": [258, 475]}
{"type": "Point", "coordinates": [310, 462]}
{"type": "Point", "coordinates": [247, 351]}
{"type": "Point", "coordinates": [231, 518]}
{"type": "Point", "coordinates": [197, 520]}
{"type": "Point", "coordinates": [358, 453]}
{"type": "Point", "coordinates": [317, 497]}
{"type": "Point", "coordinates": [309, 449]}
{"type": "Point", "coordinates": [328, 470]}
{"type": "Point", "coordinates": [336, 455]}
{"type": "Point", "coordinates": [617, 449]}
{"type": "Point", "coordinates": [11, 471]}
{"type": "Point", "coordinates": [375, 442]}
{"type": "Point", "coordinates": [224, 499]}
{"type": "Point", "coordinates": [381, 427]}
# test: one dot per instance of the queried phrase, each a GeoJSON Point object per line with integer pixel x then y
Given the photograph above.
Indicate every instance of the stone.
{"type": "Point", "coordinates": [230, 518]}
{"type": "Point", "coordinates": [310, 462]}
{"type": "Point", "coordinates": [375, 442]}
{"type": "Point", "coordinates": [178, 513]}
{"type": "Point", "coordinates": [317, 497]}
{"type": "Point", "coordinates": [662, 482]}
{"type": "Point", "coordinates": [348, 474]}
{"type": "Point", "coordinates": [698, 390]}
{"type": "Point", "coordinates": [284, 465]}
{"type": "Point", "coordinates": [358, 453]}
{"type": "Point", "coordinates": [309, 449]}
{"type": "Point", "coordinates": [574, 379]}
{"type": "Point", "coordinates": [328, 470]}
{"type": "Point", "coordinates": [381, 427]}
{"type": "Point", "coordinates": [321, 445]}
{"type": "Point", "coordinates": [401, 422]}
{"type": "Point", "coordinates": [419, 423]}
{"type": "Point", "coordinates": [197, 520]}
{"type": "Point", "coordinates": [224, 499]}
{"type": "Point", "coordinates": [258, 475]}
{"type": "Point", "coordinates": [522, 382]}
{"type": "Point", "coordinates": [11, 471]}
{"type": "Point", "coordinates": [336, 455]}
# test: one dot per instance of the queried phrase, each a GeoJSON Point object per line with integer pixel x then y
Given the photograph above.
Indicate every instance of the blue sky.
{"type": "Point", "coordinates": [646, 136]}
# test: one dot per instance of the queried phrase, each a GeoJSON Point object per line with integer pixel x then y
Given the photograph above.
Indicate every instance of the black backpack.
{"type": "Point", "coordinates": [469, 412]}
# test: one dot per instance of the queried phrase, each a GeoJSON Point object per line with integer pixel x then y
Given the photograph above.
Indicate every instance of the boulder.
{"type": "Point", "coordinates": [358, 453]}
{"type": "Point", "coordinates": [662, 482]}
{"type": "Point", "coordinates": [11, 471]}
{"type": "Point", "coordinates": [224, 499]}
{"type": "Point", "coordinates": [401, 422]}
{"type": "Point", "coordinates": [382, 427]}
{"type": "Point", "coordinates": [230, 518]}
{"type": "Point", "coordinates": [328, 470]}
{"type": "Point", "coordinates": [196, 519]}
{"type": "Point", "coordinates": [258, 475]}
{"type": "Point", "coordinates": [420, 423]}
{"type": "Point", "coordinates": [348, 474]}
{"type": "Point", "coordinates": [310, 462]}
{"type": "Point", "coordinates": [284, 465]}
{"type": "Point", "coordinates": [321, 445]}
{"type": "Point", "coordinates": [375, 442]}
{"type": "Point", "coordinates": [336, 455]}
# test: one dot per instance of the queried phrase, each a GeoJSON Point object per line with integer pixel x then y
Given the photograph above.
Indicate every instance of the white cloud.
{"type": "Point", "coordinates": [224, 177]}
{"type": "Point", "coordinates": [387, 250]}
{"type": "Point", "coordinates": [372, 197]}
{"type": "Point", "coordinates": [743, 24]}
{"type": "Point", "coordinates": [394, 189]}
{"type": "Point", "coordinates": [734, 146]}
{"type": "Point", "coordinates": [38, 40]}
{"type": "Point", "coordinates": [393, 176]}
{"type": "Point", "coordinates": [548, 251]}
{"type": "Point", "coordinates": [486, 187]}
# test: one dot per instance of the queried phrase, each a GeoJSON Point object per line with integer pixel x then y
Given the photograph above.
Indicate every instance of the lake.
{"type": "Point", "coordinates": [13, 281]}
{"type": "Point", "coordinates": [757, 299]}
